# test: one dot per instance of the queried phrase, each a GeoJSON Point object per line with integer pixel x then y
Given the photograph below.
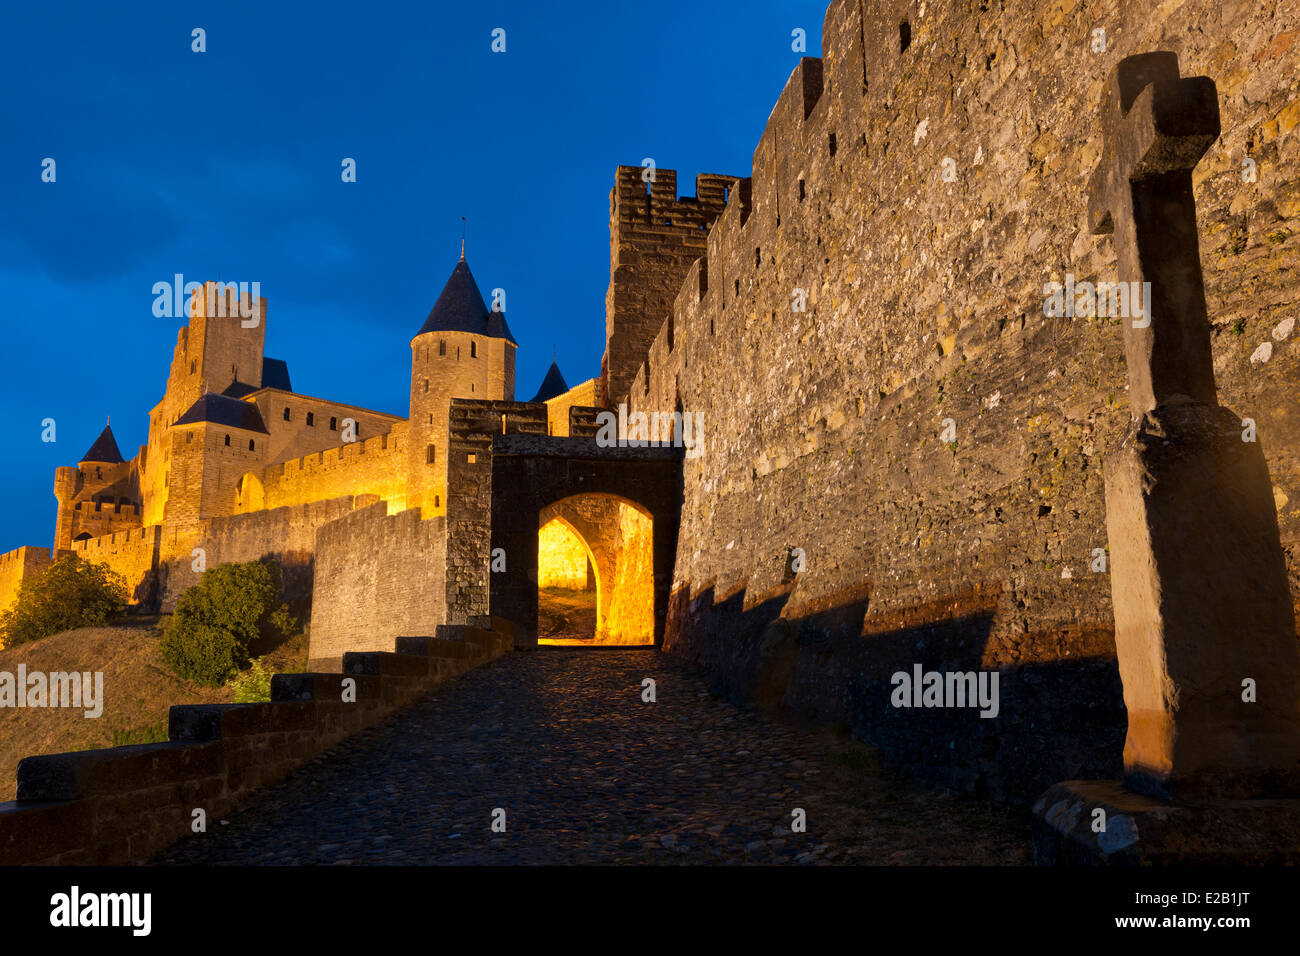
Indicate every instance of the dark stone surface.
{"type": "Point", "coordinates": [1141, 831]}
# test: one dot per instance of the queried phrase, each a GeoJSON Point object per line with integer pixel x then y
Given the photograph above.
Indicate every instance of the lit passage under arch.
{"type": "Point", "coordinates": [595, 572]}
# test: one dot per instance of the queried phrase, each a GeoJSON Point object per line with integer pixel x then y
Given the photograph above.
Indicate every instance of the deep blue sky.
{"type": "Point", "coordinates": [227, 163]}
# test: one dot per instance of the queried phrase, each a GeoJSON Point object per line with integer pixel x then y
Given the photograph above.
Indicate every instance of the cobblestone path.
{"type": "Point", "coordinates": [588, 773]}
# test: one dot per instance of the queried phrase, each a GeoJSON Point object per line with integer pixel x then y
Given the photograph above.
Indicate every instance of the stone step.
{"type": "Point", "coordinates": [198, 722]}
{"type": "Point", "coordinates": [322, 687]}
{"type": "Point", "coordinates": [385, 663]}
{"type": "Point", "coordinates": [438, 647]}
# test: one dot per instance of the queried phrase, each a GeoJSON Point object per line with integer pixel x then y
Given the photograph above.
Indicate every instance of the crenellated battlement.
{"type": "Point", "coordinates": [338, 456]}
{"type": "Point", "coordinates": [655, 235]}
{"type": "Point", "coordinates": [374, 466]}
{"type": "Point", "coordinates": [865, 337]}
{"type": "Point", "coordinates": [23, 555]}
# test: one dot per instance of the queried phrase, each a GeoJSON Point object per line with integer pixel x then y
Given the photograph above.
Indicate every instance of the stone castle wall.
{"type": "Point", "coordinates": [158, 562]}
{"type": "Point", "coordinates": [16, 565]}
{"type": "Point", "coordinates": [583, 395]}
{"type": "Point", "coordinates": [924, 308]}
{"type": "Point", "coordinates": [312, 424]}
{"type": "Point", "coordinates": [285, 534]}
{"type": "Point", "coordinates": [655, 236]}
{"type": "Point", "coordinates": [378, 577]}
{"type": "Point", "coordinates": [374, 466]}
{"type": "Point", "coordinates": [132, 554]}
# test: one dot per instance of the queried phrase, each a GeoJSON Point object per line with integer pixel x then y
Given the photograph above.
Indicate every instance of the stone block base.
{"type": "Point", "coordinates": [1141, 831]}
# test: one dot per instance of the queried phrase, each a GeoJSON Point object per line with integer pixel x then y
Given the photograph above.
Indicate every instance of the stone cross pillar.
{"type": "Point", "coordinates": [1204, 623]}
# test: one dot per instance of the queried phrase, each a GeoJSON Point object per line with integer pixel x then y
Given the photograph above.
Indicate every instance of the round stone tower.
{"type": "Point", "coordinates": [463, 350]}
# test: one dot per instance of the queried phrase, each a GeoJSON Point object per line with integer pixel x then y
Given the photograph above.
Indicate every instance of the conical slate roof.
{"type": "Point", "coordinates": [104, 449]}
{"type": "Point", "coordinates": [460, 308]}
{"type": "Point", "coordinates": [552, 385]}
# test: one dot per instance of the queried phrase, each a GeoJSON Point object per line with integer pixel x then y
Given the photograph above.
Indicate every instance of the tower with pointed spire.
{"type": "Point", "coordinates": [101, 495]}
{"type": "Point", "coordinates": [464, 349]}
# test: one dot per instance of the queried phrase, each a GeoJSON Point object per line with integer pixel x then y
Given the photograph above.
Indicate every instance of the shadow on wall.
{"type": "Point", "coordinates": [1056, 720]}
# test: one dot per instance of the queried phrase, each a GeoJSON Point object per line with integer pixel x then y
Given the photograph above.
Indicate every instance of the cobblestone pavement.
{"type": "Point", "coordinates": [587, 772]}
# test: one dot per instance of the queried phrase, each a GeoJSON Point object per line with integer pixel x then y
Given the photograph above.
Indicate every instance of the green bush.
{"type": "Point", "coordinates": [217, 619]}
{"type": "Point", "coordinates": [70, 593]}
{"type": "Point", "coordinates": [140, 735]}
{"type": "Point", "coordinates": [253, 686]}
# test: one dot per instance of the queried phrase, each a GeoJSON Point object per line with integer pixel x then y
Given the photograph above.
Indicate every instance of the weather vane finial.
{"type": "Point", "coordinates": [463, 226]}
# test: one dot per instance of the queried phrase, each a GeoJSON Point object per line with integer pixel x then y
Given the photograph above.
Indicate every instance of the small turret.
{"type": "Point", "coordinates": [104, 451]}
{"type": "Point", "coordinates": [552, 385]}
{"type": "Point", "coordinates": [460, 308]}
{"type": "Point", "coordinates": [463, 350]}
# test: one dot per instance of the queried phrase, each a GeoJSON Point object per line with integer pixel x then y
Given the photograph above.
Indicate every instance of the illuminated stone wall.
{"type": "Point", "coordinates": [561, 557]}
{"type": "Point", "coordinates": [584, 395]}
{"type": "Point", "coordinates": [373, 466]}
{"type": "Point", "coordinates": [16, 565]}
{"type": "Point", "coordinates": [923, 308]}
{"type": "Point", "coordinates": [133, 554]}
{"type": "Point", "coordinates": [630, 615]}
{"type": "Point", "coordinates": [378, 577]}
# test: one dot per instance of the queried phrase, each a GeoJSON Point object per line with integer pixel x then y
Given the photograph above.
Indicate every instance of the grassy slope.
{"type": "Point", "coordinates": [138, 690]}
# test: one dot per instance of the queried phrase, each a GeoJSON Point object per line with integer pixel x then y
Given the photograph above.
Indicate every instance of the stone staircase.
{"type": "Point", "coordinates": [125, 804]}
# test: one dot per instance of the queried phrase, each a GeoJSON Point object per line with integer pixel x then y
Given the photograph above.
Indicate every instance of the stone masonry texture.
{"type": "Point", "coordinates": [858, 330]}
{"type": "Point", "coordinates": [589, 773]}
{"type": "Point", "coordinates": [825, 429]}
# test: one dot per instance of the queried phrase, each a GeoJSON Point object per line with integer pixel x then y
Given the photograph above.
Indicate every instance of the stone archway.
{"type": "Point", "coordinates": [498, 486]}
{"type": "Point", "coordinates": [617, 537]}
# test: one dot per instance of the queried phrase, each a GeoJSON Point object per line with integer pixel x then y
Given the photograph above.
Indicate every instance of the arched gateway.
{"type": "Point", "coordinates": [504, 472]}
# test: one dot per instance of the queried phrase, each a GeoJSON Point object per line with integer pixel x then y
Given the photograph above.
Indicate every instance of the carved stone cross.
{"type": "Point", "coordinates": [1156, 127]}
{"type": "Point", "coordinates": [1204, 622]}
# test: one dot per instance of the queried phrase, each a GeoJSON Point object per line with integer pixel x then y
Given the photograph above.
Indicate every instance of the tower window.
{"type": "Point", "coordinates": [250, 444]}
{"type": "Point", "coordinates": [311, 419]}
{"type": "Point", "coordinates": [426, 386]}
{"type": "Point", "coordinates": [904, 36]}
{"type": "Point", "coordinates": [442, 347]}
{"type": "Point", "coordinates": [193, 365]}
{"type": "Point", "coordinates": [334, 424]}
{"type": "Point", "coordinates": [830, 143]}
{"type": "Point", "coordinates": [227, 441]}
{"type": "Point", "coordinates": [430, 454]}
{"type": "Point", "coordinates": [473, 350]}
{"type": "Point", "coordinates": [189, 437]}
{"type": "Point", "coordinates": [286, 414]}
